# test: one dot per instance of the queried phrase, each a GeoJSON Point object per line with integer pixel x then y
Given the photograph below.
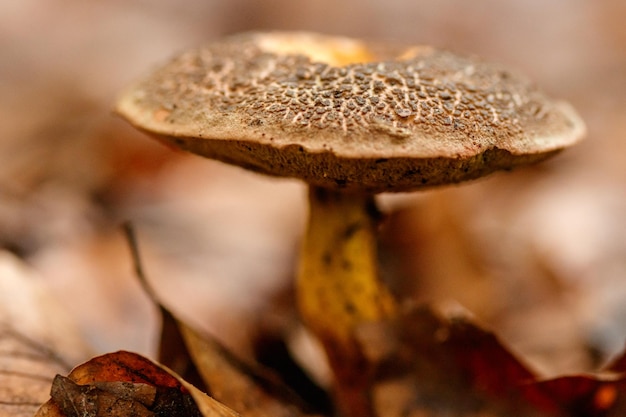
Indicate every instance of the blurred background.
{"type": "Point", "coordinates": [538, 255]}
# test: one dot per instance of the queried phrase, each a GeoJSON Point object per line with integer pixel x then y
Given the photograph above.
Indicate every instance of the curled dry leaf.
{"type": "Point", "coordinates": [248, 388]}
{"type": "Point", "coordinates": [124, 384]}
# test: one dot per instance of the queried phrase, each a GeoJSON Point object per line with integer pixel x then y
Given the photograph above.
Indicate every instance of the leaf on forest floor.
{"type": "Point", "coordinates": [431, 363]}
{"type": "Point", "coordinates": [127, 384]}
{"type": "Point", "coordinates": [248, 388]}
{"type": "Point", "coordinates": [599, 394]}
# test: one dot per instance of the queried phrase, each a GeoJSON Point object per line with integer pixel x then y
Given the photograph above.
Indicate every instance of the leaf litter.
{"type": "Point", "coordinates": [428, 361]}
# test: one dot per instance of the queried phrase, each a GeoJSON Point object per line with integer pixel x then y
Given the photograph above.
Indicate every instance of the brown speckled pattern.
{"type": "Point", "coordinates": [432, 115]}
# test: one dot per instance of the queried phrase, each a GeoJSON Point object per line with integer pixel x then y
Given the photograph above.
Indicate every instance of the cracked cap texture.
{"type": "Point", "coordinates": [339, 112]}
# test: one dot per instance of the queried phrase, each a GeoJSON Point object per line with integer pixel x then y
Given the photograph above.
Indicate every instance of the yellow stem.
{"type": "Point", "coordinates": [338, 286]}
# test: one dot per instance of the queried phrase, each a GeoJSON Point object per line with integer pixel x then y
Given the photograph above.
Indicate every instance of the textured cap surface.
{"type": "Point", "coordinates": [339, 112]}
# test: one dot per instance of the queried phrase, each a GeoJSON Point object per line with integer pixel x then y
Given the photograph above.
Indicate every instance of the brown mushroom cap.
{"type": "Point", "coordinates": [338, 112]}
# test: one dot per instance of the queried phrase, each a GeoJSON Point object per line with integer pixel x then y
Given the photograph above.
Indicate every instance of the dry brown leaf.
{"type": "Point", "coordinates": [247, 388]}
{"type": "Point", "coordinates": [432, 363]}
{"type": "Point", "coordinates": [125, 384]}
{"type": "Point", "coordinates": [208, 406]}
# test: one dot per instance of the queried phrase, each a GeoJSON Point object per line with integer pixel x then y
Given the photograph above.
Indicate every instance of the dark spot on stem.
{"type": "Point", "coordinates": [350, 308]}
{"type": "Point", "coordinates": [327, 258]}
{"type": "Point", "coordinates": [351, 230]}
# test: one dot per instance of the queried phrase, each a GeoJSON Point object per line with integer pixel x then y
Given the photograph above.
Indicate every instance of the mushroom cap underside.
{"type": "Point", "coordinates": [339, 112]}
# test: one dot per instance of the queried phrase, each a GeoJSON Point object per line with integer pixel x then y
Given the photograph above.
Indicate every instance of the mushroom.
{"type": "Point", "coordinates": [351, 119]}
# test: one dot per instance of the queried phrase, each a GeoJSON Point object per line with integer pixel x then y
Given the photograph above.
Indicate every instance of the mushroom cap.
{"type": "Point", "coordinates": [340, 112]}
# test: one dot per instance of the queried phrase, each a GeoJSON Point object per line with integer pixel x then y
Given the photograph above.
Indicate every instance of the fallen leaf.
{"type": "Point", "coordinates": [431, 363]}
{"type": "Point", "coordinates": [125, 384]}
{"type": "Point", "coordinates": [247, 388]}
{"type": "Point", "coordinates": [579, 395]}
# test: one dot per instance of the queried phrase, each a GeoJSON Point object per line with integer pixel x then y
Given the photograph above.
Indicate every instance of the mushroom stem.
{"type": "Point", "coordinates": [338, 287]}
